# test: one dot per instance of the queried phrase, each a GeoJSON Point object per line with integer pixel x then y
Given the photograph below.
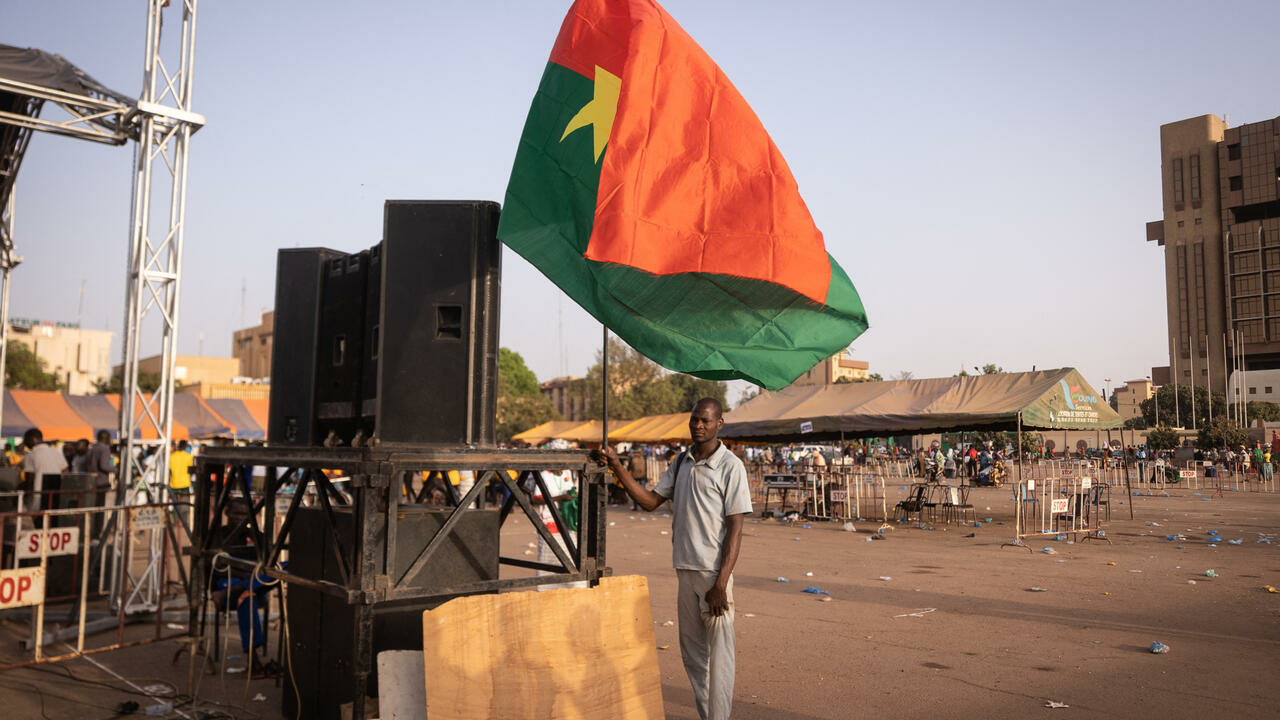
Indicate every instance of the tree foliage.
{"type": "Point", "coordinates": [1222, 432]}
{"type": "Point", "coordinates": [1262, 410]}
{"type": "Point", "coordinates": [871, 377]}
{"type": "Point", "coordinates": [639, 387]}
{"type": "Point", "coordinates": [515, 379]}
{"type": "Point", "coordinates": [114, 385]}
{"type": "Point", "coordinates": [24, 370]}
{"type": "Point", "coordinates": [1163, 438]}
{"type": "Point", "coordinates": [520, 404]}
{"type": "Point", "coordinates": [1176, 406]}
{"type": "Point", "coordinates": [988, 369]}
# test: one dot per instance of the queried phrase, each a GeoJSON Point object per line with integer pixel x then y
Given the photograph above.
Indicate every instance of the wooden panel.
{"type": "Point", "coordinates": [554, 655]}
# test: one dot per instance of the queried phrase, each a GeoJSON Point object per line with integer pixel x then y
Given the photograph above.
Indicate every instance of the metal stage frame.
{"type": "Point", "coordinates": [381, 480]}
{"type": "Point", "coordinates": [162, 122]}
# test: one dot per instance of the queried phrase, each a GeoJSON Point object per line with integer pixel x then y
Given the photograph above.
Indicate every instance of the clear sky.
{"type": "Point", "coordinates": [983, 171]}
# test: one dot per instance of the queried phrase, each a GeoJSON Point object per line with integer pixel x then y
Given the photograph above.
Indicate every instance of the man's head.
{"type": "Point", "coordinates": [32, 437]}
{"type": "Point", "coordinates": [705, 420]}
{"type": "Point", "coordinates": [237, 510]}
{"type": "Point", "coordinates": [104, 437]}
{"type": "Point", "coordinates": [82, 446]}
{"type": "Point", "coordinates": [182, 445]}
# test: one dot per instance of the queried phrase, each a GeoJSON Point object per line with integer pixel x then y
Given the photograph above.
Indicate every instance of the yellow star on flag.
{"type": "Point", "coordinates": [599, 112]}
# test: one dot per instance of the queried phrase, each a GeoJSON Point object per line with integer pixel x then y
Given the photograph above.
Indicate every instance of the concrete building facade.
{"type": "Point", "coordinates": [192, 369]}
{"type": "Point", "coordinates": [834, 369]}
{"type": "Point", "coordinates": [252, 347]}
{"type": "Point", "coordinates": [568, 395]}
{"type": "Point", "coordinates": [78, 357]}
{"type": "Point", "coordinates": [1221, 235]}
{"type": "Point", "coordinates": [1129, 397]}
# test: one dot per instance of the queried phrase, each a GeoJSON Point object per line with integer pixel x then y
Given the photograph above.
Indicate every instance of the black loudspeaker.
{"type": "Point", "coordinates": [322, 627]}
{"type": "Point", "coordinates": [397, 343]}
{"type": "Point", "coordinates": [299, 280]}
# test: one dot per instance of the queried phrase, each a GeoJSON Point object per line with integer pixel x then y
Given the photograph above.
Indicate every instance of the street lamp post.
{"type": "Point", "coordinates": [1156, 398]}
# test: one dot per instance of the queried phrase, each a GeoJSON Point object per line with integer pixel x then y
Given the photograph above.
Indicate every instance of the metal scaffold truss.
{"type": "Point", "coordinates": [161, 121]}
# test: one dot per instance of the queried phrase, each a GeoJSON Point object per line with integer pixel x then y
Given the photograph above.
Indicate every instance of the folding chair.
{"type": "Point", "coordinates": [914, 503]}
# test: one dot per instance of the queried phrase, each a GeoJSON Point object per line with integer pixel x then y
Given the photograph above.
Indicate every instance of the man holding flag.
{"type": "Point", "coordinates": [707, 487]}
{"type": "Point", "coordinates": [646, 188]}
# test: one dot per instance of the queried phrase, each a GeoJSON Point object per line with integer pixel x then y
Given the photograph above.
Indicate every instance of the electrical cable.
{"type": "Point", "coordinates": [67, 673]}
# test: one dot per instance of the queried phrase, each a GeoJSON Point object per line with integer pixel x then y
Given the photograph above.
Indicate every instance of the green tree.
{"type": "Point", "coordinates": [24, 370]}
{"type": "Point", "coordinates": [515, 379]}
{"type": "Point", "coordinates": [870, 377]}
{"type": "Point", "coordinates": [1261, 410]}
{"type": "Point", "coordinates": [1222, 432]}
{"type": "Point", "coordinates": [1163, 438]}
{"type": "Point", "coordinates": [517, 413]}
{"type": "Point", "coordinates": [690, 390]}
{"type": "Point", "coordinates": [1176, 406]}
{"type": "Point", "coordinates": [521, 404]}
{"type": "Point", "coordinates": [638, 386]}
{"type": "Point", "coordinates": [147, 383]}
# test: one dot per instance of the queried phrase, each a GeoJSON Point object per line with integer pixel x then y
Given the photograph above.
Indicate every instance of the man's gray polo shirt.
{"type": "Point", "coordinates": [702, 496]}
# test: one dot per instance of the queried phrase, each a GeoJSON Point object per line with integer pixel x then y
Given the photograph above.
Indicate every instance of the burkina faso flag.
{"type": "Point", "coordinates": [647, 189]}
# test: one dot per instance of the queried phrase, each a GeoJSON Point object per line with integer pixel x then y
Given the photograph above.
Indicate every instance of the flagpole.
{"type": "Point", "coordinates": [604, 381]}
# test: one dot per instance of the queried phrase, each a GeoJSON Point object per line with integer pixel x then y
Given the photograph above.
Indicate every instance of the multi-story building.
{"type": "Point", "coordinates": [568, 395]}
{"type": "Point", "coordinates": [1221, 234]}
{"type": "Point", "coordinates": [252, 347]}
{"type": "Point", "coordinates": [1128, 399]}
{"type": "Point", "coordinates": [192, 369]}
{"type": "Point", "coordinates": [834, 369]}
{"type": "Point", "coordinates": [77, 356]}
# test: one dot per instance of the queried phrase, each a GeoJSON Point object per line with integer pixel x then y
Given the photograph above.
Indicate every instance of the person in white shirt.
{"type": "Point", "coordinates": [559, 485]}
{"type": "Point", "coordinates": [41, 460]}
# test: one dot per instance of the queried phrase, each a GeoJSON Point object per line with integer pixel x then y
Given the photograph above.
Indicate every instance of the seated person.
{"type": "Point", "coordinates": [241, 589]}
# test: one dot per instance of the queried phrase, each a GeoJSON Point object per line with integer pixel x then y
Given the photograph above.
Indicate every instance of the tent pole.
{"type": "Point", "coordinates": [1177, 411]}
{"type": "Point", "coordinates": [1018, 500]}
{"type": "Point", "coordinates": [604, 389]}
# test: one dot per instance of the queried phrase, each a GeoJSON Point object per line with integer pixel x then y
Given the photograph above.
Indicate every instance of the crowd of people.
{"type": "Point", "coordinates": [35, 458]}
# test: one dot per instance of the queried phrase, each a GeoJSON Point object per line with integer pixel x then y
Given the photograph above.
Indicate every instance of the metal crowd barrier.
{"type": "Point", "coordinates": [1052, 507]}
{"type": "Point", "coordinates": [89, 568]}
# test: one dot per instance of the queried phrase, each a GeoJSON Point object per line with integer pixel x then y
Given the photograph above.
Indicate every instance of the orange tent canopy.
{"type": "Point", "coordinates": [50, 412]}
{"type": "Point", "coordinates": [180, 431]}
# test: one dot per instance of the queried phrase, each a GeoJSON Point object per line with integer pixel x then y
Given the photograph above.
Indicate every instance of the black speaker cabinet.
{"type": "Point", "coordinates": [397, 343]}
{"type": "Point", "coordinates": [299, 281]}
{"type": "Point", "coordinates": [322, 627]}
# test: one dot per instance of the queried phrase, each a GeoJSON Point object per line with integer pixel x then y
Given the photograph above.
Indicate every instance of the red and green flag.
{"type": "Point", "coordinates": [647, 189]}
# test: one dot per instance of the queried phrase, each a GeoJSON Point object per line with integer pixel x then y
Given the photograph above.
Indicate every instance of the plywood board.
{"type": "Point", "coordinates": [556, 655]}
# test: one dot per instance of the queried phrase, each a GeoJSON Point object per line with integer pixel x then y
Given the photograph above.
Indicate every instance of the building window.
{"type": "Point", "coordinates": [1184, 331]}
{"type": "Point", "coordinates": [1198, 221]}
{"type": "Point", "coordinates": [1201, 290]}
{"type": "Point", "coordinates": [1249, 307]}
{"type": "Point", "coordinates": [1195, 178]}
{"type": "Point", "coordinates": [1235, 182]}
{"type": "Point", "coordinates": [1233, 152]}
{"type": "Point", "coordinates": [1267, 389]}
{"type": "Point", "coordinates": [1253, 391]}
{"type": "Point", "coordinates": [1177, 180]}
{"type": "Point", "coordinates": [1247, 284]}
